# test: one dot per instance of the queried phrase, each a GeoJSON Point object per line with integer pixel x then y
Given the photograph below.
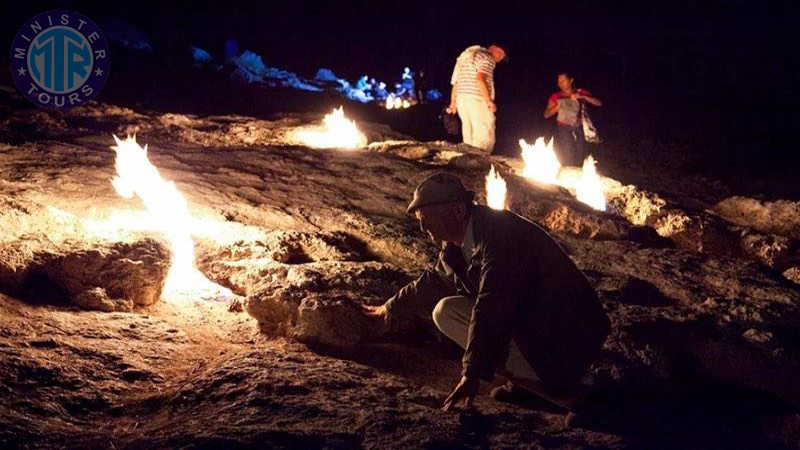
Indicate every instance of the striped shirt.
{"type": "Point", "coordinates": [470, 63]}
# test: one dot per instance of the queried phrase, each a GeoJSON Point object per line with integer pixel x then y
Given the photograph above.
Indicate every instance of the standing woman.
{"type": "Point", "coordinates": [567, 102]}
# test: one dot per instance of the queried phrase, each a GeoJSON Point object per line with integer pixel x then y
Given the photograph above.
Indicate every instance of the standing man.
{"type": "Point", "coordinates": [472, 94]}
{"type": "Point", "coordinates": [507, 293]}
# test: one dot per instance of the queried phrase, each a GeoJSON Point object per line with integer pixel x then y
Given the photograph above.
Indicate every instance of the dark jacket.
{"type": "Point", "coordinates": [526, 288]}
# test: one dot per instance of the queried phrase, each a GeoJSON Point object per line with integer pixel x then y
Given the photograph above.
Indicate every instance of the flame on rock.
{"type": "Point", "coordinates": [541, 162]}
{"type": "Point", "coordinates": [495, 190]}
{"type": "Point", "coordinates": [395, 102]}
{"type": "Point", "coordinates": [589, 189]}
{"type": "Point", "coordinates": [169, 212]}
{"type": "Point", "coordinates": [337, 132]}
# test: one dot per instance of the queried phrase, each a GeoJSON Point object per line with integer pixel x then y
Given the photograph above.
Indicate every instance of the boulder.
{"type": "Point", "coordinates": [92, 274]}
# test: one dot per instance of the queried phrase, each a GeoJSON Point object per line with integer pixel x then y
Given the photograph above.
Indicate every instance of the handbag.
{"type": "Point", "coordinates": [589, 130]}
{"type": "Point", "coordinates": [451, 122]}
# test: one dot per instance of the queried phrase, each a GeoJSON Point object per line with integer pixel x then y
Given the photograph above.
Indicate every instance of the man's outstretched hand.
{"type": "Point", "coordinates": [379, 312]}
{"type": "Point", "coordinates": [463, 394]}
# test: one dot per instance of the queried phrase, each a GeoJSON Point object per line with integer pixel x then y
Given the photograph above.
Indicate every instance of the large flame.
{"type": "Point", "coordinates": [542, 165]}
{"type": "Point", "coordinates": [168, 212]}
{"type": "Point", "coordinates": [541, 162]}
{"type": "Point", "coordinates": [337, 132]}
{"type": "Point", "coordinates": [589, 188]}
{"type": "Point", "coordinates": [495, 190]}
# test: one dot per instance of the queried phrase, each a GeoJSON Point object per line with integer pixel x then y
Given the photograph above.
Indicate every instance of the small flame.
{"type": "Point", "coordinates": [338, 132]}
{"type": "Point", "coordinates": [589, 189]}
{"type": "Point", "coordinates": [541, 162]}
{"type": "Point", "coordinates": [395, 102]}
{"type": "Point", "coordinates": [495, 190]}
{"type": "Point", "coordinates": [169, 212]}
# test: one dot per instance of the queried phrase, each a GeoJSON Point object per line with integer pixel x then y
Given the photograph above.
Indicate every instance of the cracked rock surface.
{"type": "Point", "coordinates": [704, 350]}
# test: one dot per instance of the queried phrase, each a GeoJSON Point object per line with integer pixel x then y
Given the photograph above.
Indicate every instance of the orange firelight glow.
{"type": "Point", "coordinates": [167, 211]}
{"type": "Point", "coordinates": [337, 132]}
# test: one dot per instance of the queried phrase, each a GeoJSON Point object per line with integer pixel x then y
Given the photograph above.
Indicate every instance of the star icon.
{"type": "Point", "coordinates": [98, 72]}
{"type": "Point", "coordinates": [21, 71]}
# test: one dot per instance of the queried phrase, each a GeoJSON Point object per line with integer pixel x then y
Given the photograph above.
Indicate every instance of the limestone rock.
{"type": "Point", "coordinates": [780, 217]}
{"type": "Point", "coordinates": [307, 237]}
{"type": "Point", "coordinates": [97, 299]}
{"type": "Point", "coordinates": [106, 276]}
{"type": "Point", "coordinates": [335, 322]}
{"type": "Point", "coordinates": [308, 285]}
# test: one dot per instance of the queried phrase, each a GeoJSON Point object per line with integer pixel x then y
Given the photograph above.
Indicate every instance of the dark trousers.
{"type": "Point", "coordinates": [570, 145]}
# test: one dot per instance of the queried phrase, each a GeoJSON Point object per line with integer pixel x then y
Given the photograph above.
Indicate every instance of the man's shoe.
{"type": "Point", "coordinates": [574, 420]}
{"type": "Point", "coordinates": [507, 392]}
{"type": "Point", "coordinates": [591, 415]}
{"type": "Point", "coordinates": [516, 395]}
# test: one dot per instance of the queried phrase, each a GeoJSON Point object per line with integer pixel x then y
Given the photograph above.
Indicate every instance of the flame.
{"type": "Point", "coordinates": [541, 162]}
{"type": "Point", "coordinates": [338, 132]}
{"type": "Point", "coordinates": [495, 190]}
{"type": "Point", "coordinates": [542, 165]}
{"type": "Point", "coordinates": [168, 211]}
{"type": "Point", "coordinates": [589, 188]}
{"type": "Point", "coordinates": [394, 102]}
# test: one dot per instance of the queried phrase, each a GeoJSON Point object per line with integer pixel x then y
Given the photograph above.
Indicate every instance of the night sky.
{"type": "Point", "coordinates": [716, 76]}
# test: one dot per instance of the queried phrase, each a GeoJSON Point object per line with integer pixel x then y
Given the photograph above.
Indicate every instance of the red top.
{"type": "Point", "coordinates": [560, 94]}
{"type": "Point", "coordinates": [568, 109]}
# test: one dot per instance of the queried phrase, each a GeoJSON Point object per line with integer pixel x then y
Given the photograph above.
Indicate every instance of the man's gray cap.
{"type": "Point", "coordinates": [439, 188]}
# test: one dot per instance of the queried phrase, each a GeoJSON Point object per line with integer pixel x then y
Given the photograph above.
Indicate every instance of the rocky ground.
{"type": "Point", "coordinates": [701, 287]}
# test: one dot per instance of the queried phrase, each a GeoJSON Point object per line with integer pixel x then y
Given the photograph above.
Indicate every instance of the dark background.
{"type": "Point", "coordinates": [716, 78]}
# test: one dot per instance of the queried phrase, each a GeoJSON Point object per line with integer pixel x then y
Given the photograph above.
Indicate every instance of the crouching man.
{"type": "Point", "coordinates": [504, 291]}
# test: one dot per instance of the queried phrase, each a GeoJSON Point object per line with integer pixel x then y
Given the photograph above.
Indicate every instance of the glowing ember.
{"type": "Point", "coordinates": [338, 132]}
{"type": "Point", "coordinates": [541, 162]}
{"type": "Point", "coordinates": [495, 190]}
{"type": "Point", "coordinates": [169, 213]}
{"type": "Point", "coordinates": [589, 189]}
